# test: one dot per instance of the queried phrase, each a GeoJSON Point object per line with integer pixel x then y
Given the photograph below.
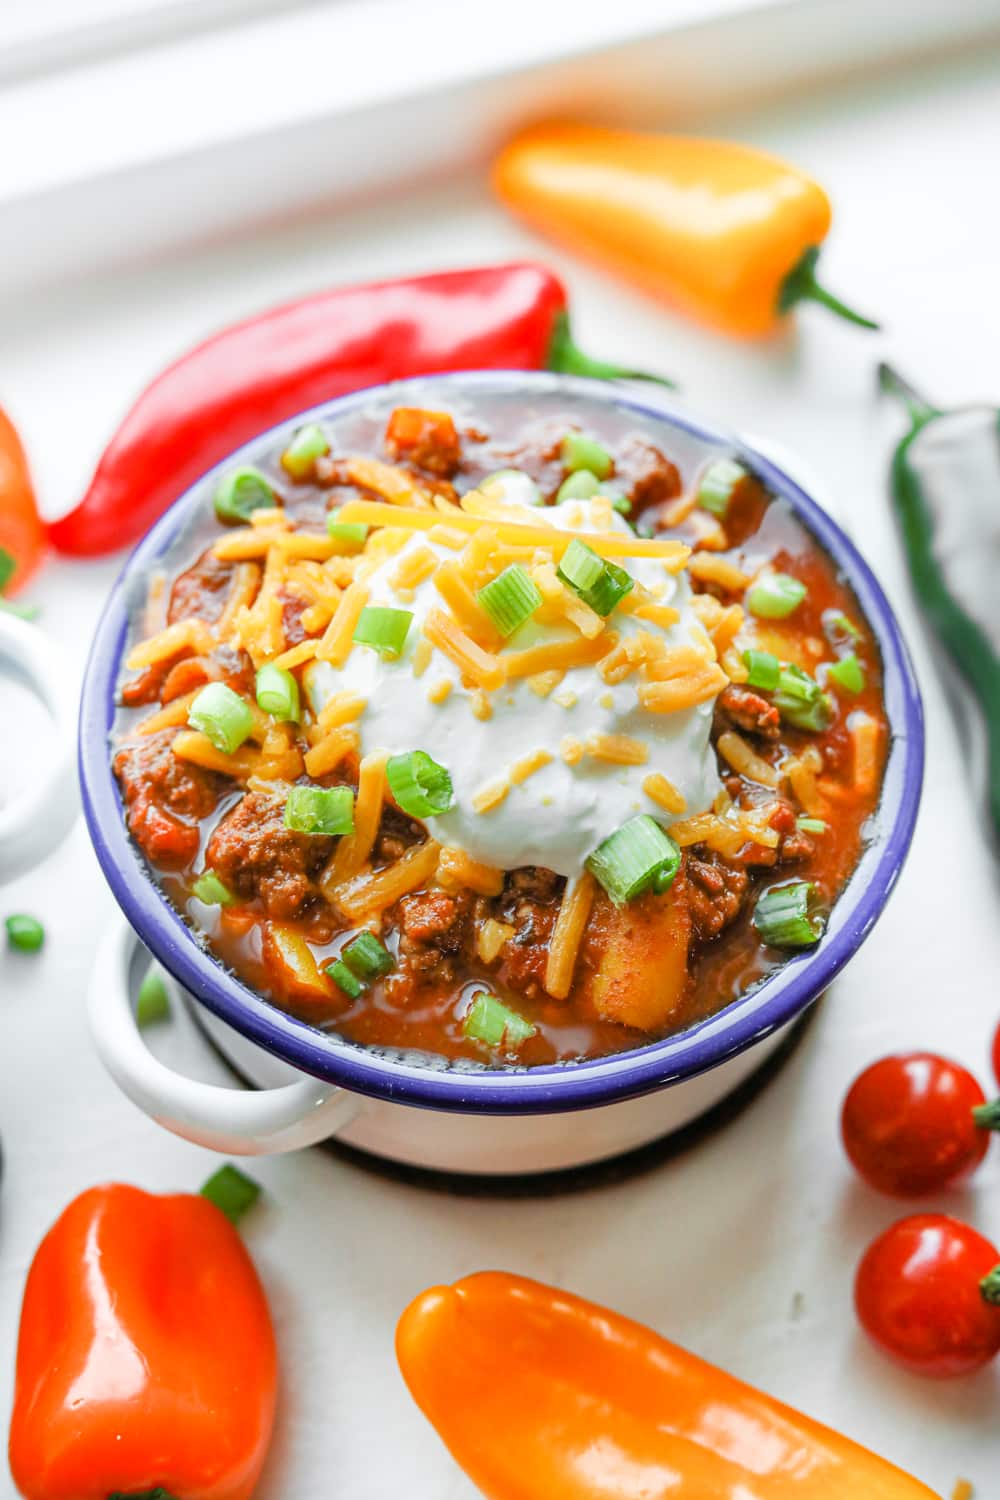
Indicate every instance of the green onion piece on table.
{"type": "Point", "coordinates": [774, 596]}
{"type": "Point", "coordinates": [344, 979]}
{"type": "Point", "coordinates": [152, 1003]}
{"type": "Point", "coordinates": [488, 1020]}
{"type": "Point", "coordinates": [579, 486]}
{"type": "Point", "coordinates": [801, 701]}
{"type": "Point", "coordinates": [599, 583]}
{"type": "Point", "coordinates": [420, 787]}
{"type": "Point", "coordinates": [637, 857]}
{"type": "Point", "coordinates": [308, 444]}
{"type": "Point", "coordinates": [763, 670]}
{"type": "Point", "coordinates": [25, 934]}
{"type": "Point", "coordinates": [510, 599]}
{"type": "Point", "coordinates": [242, 491]}
{"type": "Point", "coordinates": [222, 716]}
{"type": "Point", "coordinates": [848, 673]}
{"type": "Point", "coordinates": [211, 890]}
{"type": "Point", "coordinates": [719, 483]}
{"type": "Point", "coordinates": [352, 534]}
{"type": "Point", "coordinates": [579, 451]}
{"type": "Point", "coordinates": [326, 811]}
{"type": "Point", "coordinates": [367, 957]}
{"type": "Point", "coordinates": [383, 629]}
{"type": "Point", "coordinates": [231, 1191]}
{"type": "Point", "coordinates": [785, 918]}
{"type": "Point", "coordinates": [278, 693]}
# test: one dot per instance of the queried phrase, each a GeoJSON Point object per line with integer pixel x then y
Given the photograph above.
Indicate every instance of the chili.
{"type": "Point", "coordinates": [22, 532]}
{"type": "Point", "coordinates": [538, 1393]}
{"type": "Point", "coordinates": [146, 1357]}
{"type": "Point", "coordinates": [727, 233]}
{"type": "Point", "coordinates": [945, 477]}
{"type": "Point", "coordinates": [258, 372]}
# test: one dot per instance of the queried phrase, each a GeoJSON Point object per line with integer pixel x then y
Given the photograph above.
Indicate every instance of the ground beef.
{"type": "Point", "coordinates": [795, 848]}
{"type": "Point", "coordinates": [164, 797]}
{"type": "Point", "coordinates": [147, 686]}
{"type": "Point", "coordinates": [201, 591]}
{"type": "Point", "coordinates": [433, 928]}
{"type": "Point", "coordinates": [742, 709]}
{"type": "Point", "coordinates": [533, 882]}
{"type": "Point", "coordinates": [530, 903]}
{"type": "Point", "coordinates": [292, 610]}
{"type": "Point", "coordinates": [645, 474]}
{"type": "Point", "coordinates": [397, 833]}
{"type": "Point", "coordinates": [426, 439]}
{"type": "Point", "coordinates": [717, 891]}
{"type": "Point", "coordinates": [259, 858]}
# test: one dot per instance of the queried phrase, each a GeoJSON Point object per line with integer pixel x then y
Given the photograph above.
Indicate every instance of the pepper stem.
{"type": "Point", "coordinates": [567, 358]}
{"type": "Point", "coordinates": [987, 1116]}
{"type": "Point", "coordinates": [989, 1287]}
{"type": "Point", "coordinates": [918, 408]}
{"type": "Point", "coordinates": [801, 285]}
{"type": "Point", "coordinates": [157, 1494]}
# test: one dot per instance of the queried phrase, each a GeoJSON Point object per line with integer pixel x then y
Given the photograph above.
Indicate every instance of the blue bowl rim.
{"type": "Point", "coordinates": [401, 1078]}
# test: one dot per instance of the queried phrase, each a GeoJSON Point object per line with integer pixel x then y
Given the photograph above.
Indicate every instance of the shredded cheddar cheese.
{"type": "Point", "coordinates": [567, 934]}
{"type": "Point", "coordinates": [528, 765]}
{"type": "Point", "coordinates": [489, 797]}
{"type": "Point", "coordinates": [456, 870]}
{"type": "Point", "coordinates": [484, 668]}
{"type": "Point", "coordinates": [617, 749]}
{"type": "Point", "coordinates": [335, 647]}
{"type": "Point", "coordinates": [663, 793]}
{"type": "Point", "coordinates": [185, 635]}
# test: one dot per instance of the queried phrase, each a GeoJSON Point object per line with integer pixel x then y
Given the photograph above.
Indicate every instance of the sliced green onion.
{"type": "Point", "coordinates": [24, 933]}
{"type": "Point", "coordinates": [619, 502]}
{"type": "Point", "coordinates": [637, 857]}
{"type": "Point", "coordinates": [278, 693]}
{"type": "Point", "coordinates": [579, 486]}
{"type": "Point", "coordinates": [579, 451]}
{"type": "Point", "coordinates": [366, 957]}
{"type": "Point", "coordinates": [810, 825]}
{"type": "Point", "coordinates": [848, 673]}
{"type": "Point", "coordinates": [152, 1003]}
{"type": "Point", "coordinates": [510, 599]}
{"type": "Point", "coordinates": [719, 484]}
{"type": "Point", "coordinates": [20, 611]}
{"type": "Point", "coordinates": [211, 890]}
{"type": "Point", "coordinates": [222, 716]}
{"type": "Point", "coordinates": [231, 1191]}
{"type": "Point", "coordinates": [242, 491]}
{"type": "Point", "coordinates": [383, 629]}
{"type": "Point", "coordinates": [839, 627]}
{"type": "Point", "coordinates": [489, 1020]}
{"type": "Point", "coordinates": [308, 444]}
{"type": "Point", "coordinates": [353, 534]}
{"type": "Point", "coordinates": [420, 787]}
{"type": "Point", "coordinates": [599, 583]}
{"type": "Point", "coordinates": [524, 490]}
{"type": "Point", "coordinates": [784, 916]}
{"type": "Point", "coordinates": [801, 701]}
{"type": "Point", "coordinates": [763, 670]}
{"type": "Point", "coordinates": [774, 596]}
{"type": "Point", "coordinates": [344, 979]}
{"type": "Point", "coordinates": [8, 567]}
{"type": "Point", "coordinates": [320, 810]}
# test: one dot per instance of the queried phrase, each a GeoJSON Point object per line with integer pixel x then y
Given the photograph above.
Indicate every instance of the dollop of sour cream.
{"type": "Point", "coordinates": [559, 814]}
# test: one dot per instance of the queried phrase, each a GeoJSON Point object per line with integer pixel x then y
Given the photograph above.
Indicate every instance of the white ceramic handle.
{"type": "Point", "coordinates": [34, 823]}
{"type": "Point", "coordinates": [237, 1122]}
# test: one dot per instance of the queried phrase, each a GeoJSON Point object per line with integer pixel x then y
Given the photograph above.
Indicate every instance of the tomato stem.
{"type": "Point", "coordinates": [987, 1116]}
{"type": "Point", "coordinates": [989, 1287]}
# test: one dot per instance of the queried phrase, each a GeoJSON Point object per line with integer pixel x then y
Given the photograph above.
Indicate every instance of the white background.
{"type": "Point", "coordinates": [744, 1248]}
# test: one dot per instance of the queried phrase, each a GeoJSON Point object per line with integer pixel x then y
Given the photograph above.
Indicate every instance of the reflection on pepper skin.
{"type": "Point", "coordinates": [540, 1394]}
{"type": "Point", "coordinates": [146, 1355]}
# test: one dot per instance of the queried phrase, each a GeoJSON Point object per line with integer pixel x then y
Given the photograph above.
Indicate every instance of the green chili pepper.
{"type": "Point", "coordinates": [945, 481]}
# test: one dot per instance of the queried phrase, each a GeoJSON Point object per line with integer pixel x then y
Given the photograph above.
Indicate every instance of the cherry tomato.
{"type": "Point", "coordinates": [918, 1295]}
{"type": "Point", "coordinates": [908, 1124]}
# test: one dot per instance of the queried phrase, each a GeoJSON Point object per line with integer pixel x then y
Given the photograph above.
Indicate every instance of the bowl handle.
{"type": "Point", "coordinates": [237, 1122]}
{"type": "Point", "coordinates": [33, 824]}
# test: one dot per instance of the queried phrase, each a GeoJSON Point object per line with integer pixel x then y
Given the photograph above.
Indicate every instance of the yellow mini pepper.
{"type": "Point", "coordinates": [542, 1396]}
{"type": "Point", "coordinates": [725, 232]}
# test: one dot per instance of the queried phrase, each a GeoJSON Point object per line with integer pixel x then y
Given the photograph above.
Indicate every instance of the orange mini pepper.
{"type": "Point", "coordinates": [539, 1394]}
{"type": "Point", "coordinates": [146, 1359]}
{"type": "Point", "coordinates": [22, 531]}
{"type": "Point", "coordinates": [725, 232]}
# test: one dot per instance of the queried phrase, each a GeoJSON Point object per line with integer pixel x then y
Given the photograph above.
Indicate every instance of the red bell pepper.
{"type": "Point", "coordinates": [22, 532]}
{"type": "Point", "coordinates": [146, 1359]}
{"type": "Point", "coordinates": [259, 372]}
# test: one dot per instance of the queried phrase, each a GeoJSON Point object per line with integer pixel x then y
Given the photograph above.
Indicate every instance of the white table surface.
{"type": "Point", "coordinates": [744, 1248]}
